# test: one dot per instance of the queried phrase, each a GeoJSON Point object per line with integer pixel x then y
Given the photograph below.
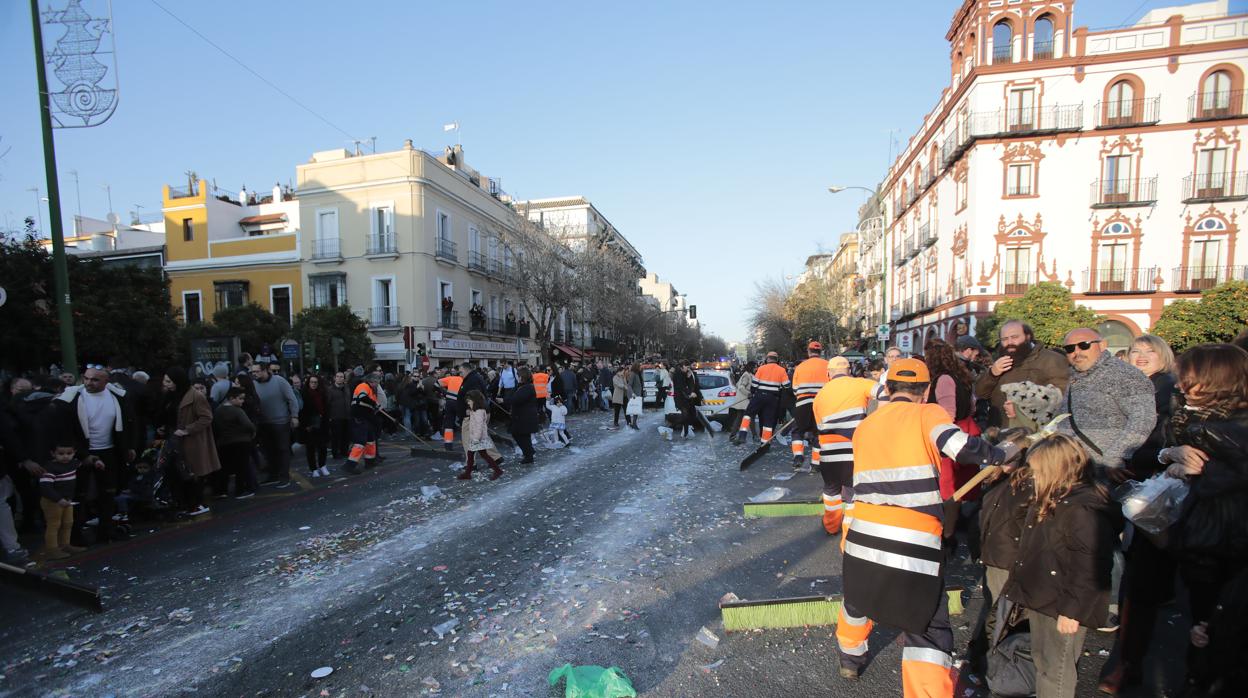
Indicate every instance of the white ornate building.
{"type": "Point", "coordinates": [1108, 161]}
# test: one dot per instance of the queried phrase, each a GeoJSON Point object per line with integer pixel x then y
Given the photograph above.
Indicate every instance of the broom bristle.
{"type": "Point", "coordinates": [799, 612]}
{"type": "Point", "coordinates": [756, 510]}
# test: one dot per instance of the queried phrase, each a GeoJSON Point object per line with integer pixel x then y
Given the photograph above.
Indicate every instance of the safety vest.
{"type": "Point", "coordinates": [452, 384]}
{"type": "Point", "coordinates": [839, 407]}
{"type": "Point", "coordinates": [541, 382]}
{"type": "Point", "coordinates": [893, 557]}
{"type": "Point", "coordinates": [363, 400]}
{"type": "Point", "coordinates": [770, 379]}
{"type": "Point", "coordinates": [808, 378]}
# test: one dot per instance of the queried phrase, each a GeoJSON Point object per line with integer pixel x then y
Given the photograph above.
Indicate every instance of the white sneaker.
{"type": "Point", "coordinates": [315, 473]}
{"type": "Point", "coordinates": [196, 512]}
{"type": "Point", "coordinates": [324, 471]}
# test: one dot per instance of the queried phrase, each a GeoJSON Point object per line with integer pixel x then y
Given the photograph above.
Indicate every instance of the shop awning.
{"type": "Point", "coordinates": [572, 352]}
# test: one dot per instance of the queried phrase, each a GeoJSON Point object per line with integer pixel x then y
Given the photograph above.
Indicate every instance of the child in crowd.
{"type": "Point", "coordinates": [475, 432]}
{"type": "Point", "coordinates": [235, 434]}
{"type": "Point", "coordinates": [56, 486]}
{"type": "Point", "coordinates": [559, 420]}
{"type": "Point", "coordinates": [1062, 575]}
{"type": "Point", "coordinates": [140, 491]}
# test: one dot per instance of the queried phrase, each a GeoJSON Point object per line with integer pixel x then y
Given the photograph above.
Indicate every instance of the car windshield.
{"type": "Point", "coordinates": [709, 381]}
{"type": "Point", "coordinates": [650, 375]}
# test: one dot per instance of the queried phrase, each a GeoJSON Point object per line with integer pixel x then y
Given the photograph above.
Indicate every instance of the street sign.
{"type": "Point", "coordinates": [409, 333]}
{"type": "Point", "coordinates": [903, 342]}
{"type": "Point", "coordinates": [290, 349]}
{"type": "Point", "coordinates": [424, 363]}
{"type": "Point", "coordinates": [882, 333]}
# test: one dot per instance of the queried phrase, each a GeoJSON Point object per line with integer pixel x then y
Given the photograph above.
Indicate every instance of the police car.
{"type": "Point", "coordinates": [650, 383]}
{"type": "Point", "coordinates": [719, 393]}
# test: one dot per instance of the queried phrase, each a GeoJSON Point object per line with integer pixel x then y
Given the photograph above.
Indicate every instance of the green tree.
{"type": "Point", "coordinates": [118, 310]}
{"type": "Point", "coordinates": [1219, 315]}
{"type": "Point", "coordinates": [1047, 307]}
{"type": "Point", "coordinates": [321, 325]}
{"type": "Point", "coordinates": [254, 326]}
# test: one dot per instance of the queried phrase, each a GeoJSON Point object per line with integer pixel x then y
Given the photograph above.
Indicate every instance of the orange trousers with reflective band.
{"type": "Point", "coordinates": [926, 660]}
{"type": "Point", "coordinates": [358, 451]}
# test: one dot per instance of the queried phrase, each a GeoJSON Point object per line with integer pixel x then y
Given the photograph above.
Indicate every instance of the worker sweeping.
{"type": "Point", "coordinates": [893, 562]}
{"type": "Point", "coordinates": [838, 408]}
{"type": "Point", "coordinates": [365, 423]}
{"type": "Point", "coordinates": [451, 383]}
{"type": "Point", "coordinates": [770, 382]}
{"type": "Point", "coordinates": [808, 378]}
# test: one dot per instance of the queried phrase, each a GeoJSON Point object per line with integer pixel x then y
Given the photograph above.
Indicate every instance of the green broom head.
{"type": "Point", "coordinates": [796, 612]}
{"type": "Point", "coordinates": [799, 612]}
{"type": "Point", "coordinates": [758, 510]}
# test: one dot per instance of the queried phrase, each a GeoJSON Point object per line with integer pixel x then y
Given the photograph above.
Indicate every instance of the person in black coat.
{"type": "Point", "coordinates": [1210, 437]}
{"type": "Point", "coordinates": [522, 403]}
{"type": "Point", "coordinates": [473, 380]}
{"type": "Point", "coordinates": [1065, 553]}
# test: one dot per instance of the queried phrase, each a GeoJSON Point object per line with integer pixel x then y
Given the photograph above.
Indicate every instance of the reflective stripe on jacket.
{"type": "Point", "coordinates": [769, 379]}
{"type": "Point", "coordinates": [839, 407]}
{"type": "Point", "coordinates": [808, 378]}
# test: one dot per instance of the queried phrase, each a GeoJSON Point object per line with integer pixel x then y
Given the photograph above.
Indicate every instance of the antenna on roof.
{"type": "Point", "coordinates": [372, 141]}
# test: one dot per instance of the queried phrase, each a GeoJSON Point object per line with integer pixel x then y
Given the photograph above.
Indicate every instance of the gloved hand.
{"type": "Point", "coordinates": [1011, 452]}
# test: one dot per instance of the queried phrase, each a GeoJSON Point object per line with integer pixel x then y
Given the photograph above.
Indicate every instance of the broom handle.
{"type": "Point", "coordinates": [970, 484]}
{"type": "Point", "coordinates": [400, 425]}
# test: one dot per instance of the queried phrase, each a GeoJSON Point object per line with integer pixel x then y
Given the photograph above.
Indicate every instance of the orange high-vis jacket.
{"type": "Point", "coordinates": [808, 378]}
{"type": "Point", "coordinates": [769, 379]}
{"type": "Point", "coordinates": [363, 401]}
{"type": "Point", "coordinates": [541, 383]}
{"type": "Point", "coordinates": [452, 384]}
{"type": "Point", "coordinates": [839, 407]}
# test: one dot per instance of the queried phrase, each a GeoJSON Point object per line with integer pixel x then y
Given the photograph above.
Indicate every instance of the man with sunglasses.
{"type": "Point", "coordinates": [1021, 358]}
{"type": "Point", "coordinates": [1111, 403]}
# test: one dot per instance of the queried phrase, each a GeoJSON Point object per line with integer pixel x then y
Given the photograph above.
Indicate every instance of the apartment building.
{"type": "Point", "coordinates": [580, 225]}
{"type": "Point", "coordinates": [226, 249]}
{"type": "Point", "coordinates": [412, 240]}
{"type": "Point", "coordinates": [1107, 161]}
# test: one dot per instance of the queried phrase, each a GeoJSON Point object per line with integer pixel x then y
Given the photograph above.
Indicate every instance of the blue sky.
{"type": "Point", "coordinates": [707, 132]}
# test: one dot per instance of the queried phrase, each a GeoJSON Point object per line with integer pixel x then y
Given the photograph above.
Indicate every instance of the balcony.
{"type": "Point", "coordinates": [899, 255]}
{"type": "Point", "coordinates": [327, 250]}
{"type": "Point", "coordinates": [1042, 50]}
{"type": "Point", "coordinates": [1210, 106]}
{"type": "Point", "coordinates": [1128, 112]}
{"type": "Point", "coordinates": [1120, 280]}
{"type": "Point", "coordinates": [448, 319]}
{"type": "Point", "coordinates": [926, 178]}
{"type": "Point", "coordinates": [1068, 117]}
{"type": "Point", "coordinates": [382, 244]}
{"type": "Point", "coordinates": [924, 301]}
{"type": "Point", "coordinates": [1124, 193]}
{"type": "Point", "coordinates": [497, 326]}
{"type": "Point", "coordinates": [1209, 187]}
{"type": "Point", "coordinates": [926, 237]}
{"type": "Point", "coordinates": [1016, 283]}
{"type": "Point", "coordinates": [477, 262]}
{"type": "Point", "coordinates": [383, 316]}
{"type": "Point", "coordinates": [477, 323]}
{"type": "Point", "coordinates": [960, 290]}
{"type": "Point", "coordinates": [446, 249]}
{"type": "Point", "coordinates": [1002, 55]}
{"type": "Point", "coordinates": [1200, 278]}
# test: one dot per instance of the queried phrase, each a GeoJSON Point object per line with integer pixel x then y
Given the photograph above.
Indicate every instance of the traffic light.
{"type": "Point", "coordinates": [693, 312]}
{"type": "Point", "coordinates": [335, 343]}
{"type": "Point", "coordinates": [309, 351]}
{"type": "Point", "coordinates": [420, 349]}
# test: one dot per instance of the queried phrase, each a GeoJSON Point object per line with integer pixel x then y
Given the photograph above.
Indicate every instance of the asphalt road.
{"type": "Point", "coordinates": [613, 552]}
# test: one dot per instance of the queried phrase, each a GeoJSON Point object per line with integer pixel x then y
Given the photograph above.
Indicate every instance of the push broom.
{"type": "Point", "coordinates": [763, 448]}
{"type": "Point", "coordinates": [417, 451]}
{"type": "Point", "coordinates": [73, 592]}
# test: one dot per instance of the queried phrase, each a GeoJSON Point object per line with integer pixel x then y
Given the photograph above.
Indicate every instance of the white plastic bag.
{"type": "Point", "coordinates": [1154, 504]}
{"type": "Point", "coordinates": [634, 407]}
{"type": "Point", "coordinates": [771, 494]}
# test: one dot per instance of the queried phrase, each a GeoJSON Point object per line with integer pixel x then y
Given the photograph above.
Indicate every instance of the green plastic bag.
{"type": "Point", "coordinates": [593, 682]}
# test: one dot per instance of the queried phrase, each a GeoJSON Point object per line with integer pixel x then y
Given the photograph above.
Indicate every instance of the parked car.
{"type": "Point", "coordinates": [650, 385]}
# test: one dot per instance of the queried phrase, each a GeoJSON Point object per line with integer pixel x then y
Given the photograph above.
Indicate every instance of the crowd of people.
{"type": "Point", "coordinates": [83, 455]}
{"type": "Point", "coordinates": [1075, 429]}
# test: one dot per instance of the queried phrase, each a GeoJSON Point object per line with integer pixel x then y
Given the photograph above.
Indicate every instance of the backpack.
{"type": "Point", "coordinates": [1011, 670]}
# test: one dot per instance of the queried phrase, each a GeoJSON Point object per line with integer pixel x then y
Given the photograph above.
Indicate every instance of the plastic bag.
{"type": "Point", "coordinates": [593, 682]}
{"type": "Point", "coordinates": [771, 494]}
{"type": "Point", "coordinates": [1154, 504]}
{"type": "Point", "coordinates": [633, 409]}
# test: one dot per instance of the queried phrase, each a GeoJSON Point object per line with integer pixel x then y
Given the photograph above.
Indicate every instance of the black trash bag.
{"type": "Point", "coordinates": [1011, 671]}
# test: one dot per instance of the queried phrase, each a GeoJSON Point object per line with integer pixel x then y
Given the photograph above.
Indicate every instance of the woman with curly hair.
{"type": "Point", "coordinates": [951, 388]}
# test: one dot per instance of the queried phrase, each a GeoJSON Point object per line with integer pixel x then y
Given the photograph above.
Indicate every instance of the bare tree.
{"type": "Point", "coordinates": [543, 274]}
{"type": "Point", "coordinates": [773, 330]}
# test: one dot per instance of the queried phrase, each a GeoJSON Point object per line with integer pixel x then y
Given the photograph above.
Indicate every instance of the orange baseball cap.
{"type": "Point", "coordinates": [815, 346]}
{"type": "Point", "coordinates": [838, 364]}
{"type": "Point", "coordinates": [909, 371]}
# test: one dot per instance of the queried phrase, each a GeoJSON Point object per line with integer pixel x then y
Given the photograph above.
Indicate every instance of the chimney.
{"type": "Point", "coordinates": [277, 192]}
{"type": "Point", "coordinates": [242, 195]}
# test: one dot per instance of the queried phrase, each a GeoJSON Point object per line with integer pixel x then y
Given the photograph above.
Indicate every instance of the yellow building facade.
{"type": "Point", "coordinates": [226, 249]}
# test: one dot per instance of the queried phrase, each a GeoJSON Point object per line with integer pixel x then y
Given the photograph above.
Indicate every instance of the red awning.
{"type": "Point", "coordinates": [263, 219]}
{"type": "Point", "coordinates": [570, 351]}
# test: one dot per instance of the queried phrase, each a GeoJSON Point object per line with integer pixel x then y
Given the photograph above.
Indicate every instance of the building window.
{"type": "Point", "coordinates": [382, 230]}
{"type": "Point", "coordinates": [1210, 173]}
{"type": "Point", "coordinates": [444, 226]}
{"type": "Point", "coordinates": [1206, 262]}
{"type": "Point", "coordinates": [192, 308]}
{"type": "Point", "coordinates": [1042, 39]}
{"type": "Point", "coordinates": [329, 291]}
{"type": "Point", "coordinates": [1116, 184]}
{"type": "Point", "coordinates": [1215, 94]}
{"type": "Point", "coordinates": [230, 294]}
{"type": "Point", "coordinates": [1112, 275]}
{"type": "Point", "coordinates": [1017, 269]}
{"type": "Point", "coordinates": [279, 303]}
{"type": "Point", "coordinates": [1020, 179]}
{"type": "Point", "coordinates": [474, 240]}
{"type": "Point", "coordinates": [1002, 43]}
{"type": "Point", "coordinates": [188, 230]}
{"type": "Point", "coordinates": [1022, 110]}
{"type": "Point", "coordinates": [327, 243]}
{"type": "Point", "coordinates": [384, 312]}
